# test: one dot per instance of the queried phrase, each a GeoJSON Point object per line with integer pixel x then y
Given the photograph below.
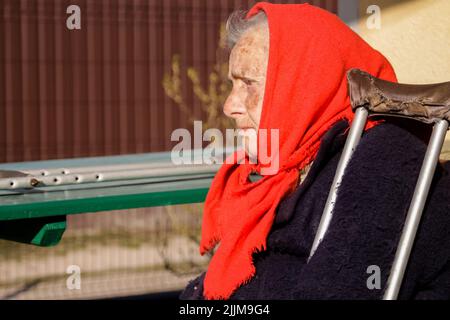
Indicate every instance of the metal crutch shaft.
{"type": "Point", "coordinates": [354, 135]}
{"type": "Point", "coordinates": [415, 210]}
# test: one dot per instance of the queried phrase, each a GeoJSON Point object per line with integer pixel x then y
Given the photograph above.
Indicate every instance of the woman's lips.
{"type": "Point", "coordinates": [245, 128]}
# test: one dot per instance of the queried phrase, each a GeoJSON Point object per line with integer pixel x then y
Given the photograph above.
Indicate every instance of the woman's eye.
{"type": "Point", "coordinates": [247, 81]}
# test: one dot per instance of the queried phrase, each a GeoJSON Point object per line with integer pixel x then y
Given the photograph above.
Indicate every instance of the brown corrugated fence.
{"type": "Point", "coordinates": [98, 91]}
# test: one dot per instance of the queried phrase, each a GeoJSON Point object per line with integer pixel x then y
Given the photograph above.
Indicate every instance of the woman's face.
{"type": "Point", "coordinates": [247, 71]}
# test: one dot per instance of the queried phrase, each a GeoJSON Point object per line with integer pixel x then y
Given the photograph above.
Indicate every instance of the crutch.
{"type": "Point", "coordinates": [427, 103]}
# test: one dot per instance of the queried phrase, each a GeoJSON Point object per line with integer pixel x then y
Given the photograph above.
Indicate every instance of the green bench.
{"type": "Point", "coordinates": [38, 215]}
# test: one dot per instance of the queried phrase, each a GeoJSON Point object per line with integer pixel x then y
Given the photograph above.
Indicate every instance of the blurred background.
{"type": "Point", "coordinates": [133, 73]}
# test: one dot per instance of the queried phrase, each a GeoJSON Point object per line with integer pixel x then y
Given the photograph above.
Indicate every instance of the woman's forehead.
{"type": "Point", "coordinates": [251, 51]}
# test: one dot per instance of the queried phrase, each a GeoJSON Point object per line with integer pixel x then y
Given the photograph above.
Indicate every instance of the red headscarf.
{"type": "Point", "coordinates": [306, 93]}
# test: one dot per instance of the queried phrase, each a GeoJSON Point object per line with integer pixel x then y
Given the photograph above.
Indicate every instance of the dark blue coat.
{"type": "Point", "coordinates": [369, 214]}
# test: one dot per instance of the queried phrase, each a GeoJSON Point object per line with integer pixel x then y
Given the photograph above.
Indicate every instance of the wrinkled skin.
{"type": "Point", "coordinates": [247, 71]}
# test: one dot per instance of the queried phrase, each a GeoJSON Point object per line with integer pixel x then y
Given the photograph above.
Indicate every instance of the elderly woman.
{"type": "Point", "coordinates": [288, 67]}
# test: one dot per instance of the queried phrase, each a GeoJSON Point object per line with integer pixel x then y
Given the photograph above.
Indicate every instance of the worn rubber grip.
{"type": "Point", "coordinates": [427, 103]}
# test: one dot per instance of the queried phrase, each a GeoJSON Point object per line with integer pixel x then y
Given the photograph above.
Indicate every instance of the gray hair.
{"type": "Point", "coordinates": [237, 25]}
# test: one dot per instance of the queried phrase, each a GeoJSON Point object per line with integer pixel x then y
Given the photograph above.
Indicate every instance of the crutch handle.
{"type": "Point", "coordinates": [428, 103]}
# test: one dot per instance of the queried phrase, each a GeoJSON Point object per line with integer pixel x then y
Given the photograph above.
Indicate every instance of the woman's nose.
{"type": "Point", "coordinates": [233, 107]}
